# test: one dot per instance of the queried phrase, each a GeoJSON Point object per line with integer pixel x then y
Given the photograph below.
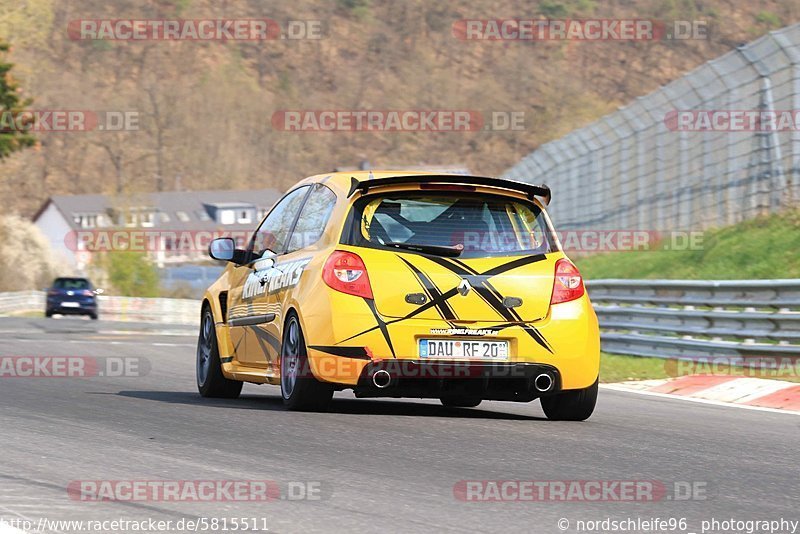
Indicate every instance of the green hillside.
{"type": "Point", "coordinates": [766, 247]}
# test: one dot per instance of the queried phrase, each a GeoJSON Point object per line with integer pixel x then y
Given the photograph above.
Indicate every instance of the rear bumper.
{"type": "Point", "coordinates": [82, 309]}
{"type": "Point", "coordinates": [348, 342]}
{"type": "Point", "coordinates": [469, 379]}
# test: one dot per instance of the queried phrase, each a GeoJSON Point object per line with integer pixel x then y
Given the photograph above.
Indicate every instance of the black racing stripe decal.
{"type": "Point", "coordinates": [496, 304]}
{"type": "Point", "coordinates": [367, 331]}
{"type": "Point", "coordinates": [264, 349]}
{"type": "Point", "coordinates": [427, 306]}
{"type": "Point", "coordinates": [435, 302]}
{"type": "Point", "coordinates": [491, 295]}
{"type": "Point", "coordinates": [537, 336]}
{"type": "Point", "coordinates": [442, 307]}
{"type": "Point", "coordinates": [512, 316]}
{"type": "Point", "coordinates": [381, 324]}
{"type": "Point", "coordinates": [499, 297]}
{"type": "Point", "coordinates": [464, 266]}
{"type": "Point", "coordinates": [413, 270]}
{"type": "Point", "coordinates": [482, 287]}
{"type": "Point", "coordinates": [460, 269]}
{"type": "Point", "coordinates": [359, 353]}
{"type": "Point", "coordinates": [236, 347]}
{"type": "Point", "coordinates": [273, 341]}
{"type": "Point", "coordinates": [530, 330]}
{"type": "Point", "coordinates": [519, 262]}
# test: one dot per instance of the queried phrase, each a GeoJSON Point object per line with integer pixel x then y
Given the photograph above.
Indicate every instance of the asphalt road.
{"type": "Point", "coordinates": [378, 466]}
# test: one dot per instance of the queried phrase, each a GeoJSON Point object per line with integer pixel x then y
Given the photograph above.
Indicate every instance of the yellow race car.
{"type": "Point", "coordinates": [396, 284]}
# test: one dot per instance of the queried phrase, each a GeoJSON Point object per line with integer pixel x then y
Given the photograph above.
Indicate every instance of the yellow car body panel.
{"type": "Point", "coordinates": [345, 333]}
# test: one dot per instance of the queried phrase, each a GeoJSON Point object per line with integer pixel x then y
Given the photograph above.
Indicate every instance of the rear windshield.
{"type": "Point", "coordinates": [483, 224]}
{"type": "Point", "coordinates": [71, 283]}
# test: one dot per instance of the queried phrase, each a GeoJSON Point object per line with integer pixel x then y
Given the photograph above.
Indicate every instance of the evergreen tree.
{"type": "Point", "coordinates": [13, 135]}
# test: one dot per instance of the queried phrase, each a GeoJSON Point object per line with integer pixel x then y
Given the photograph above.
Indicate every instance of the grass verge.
{"type": "Point", "coordinates": [619, 368]}
{"type": "Point", "coordinates": [764, 247]}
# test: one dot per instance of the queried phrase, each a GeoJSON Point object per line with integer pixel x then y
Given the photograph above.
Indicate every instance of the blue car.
{"type": "Point", "coordinates": [72, 296]}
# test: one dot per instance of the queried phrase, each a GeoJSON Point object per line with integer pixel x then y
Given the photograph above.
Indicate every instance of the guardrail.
{"type": "Point", "coordinates": [165, 311]}
{"type": "Point", "coordinates": [737, 319]}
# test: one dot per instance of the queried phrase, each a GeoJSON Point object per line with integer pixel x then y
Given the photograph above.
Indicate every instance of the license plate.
{"type": "Point", "coordinates": [463, 348]}
{"type": "Point", "coordinates": [70, 305]}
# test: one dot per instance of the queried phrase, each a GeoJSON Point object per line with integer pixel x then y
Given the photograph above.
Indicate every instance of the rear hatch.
{"type": "Point", "coordinates": [477, 256]}
{"type": "Point", "coordinates": [519, 292]}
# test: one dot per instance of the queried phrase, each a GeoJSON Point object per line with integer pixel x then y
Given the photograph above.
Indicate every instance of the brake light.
{"type": "Point", "coordinates": [346, 272]}
{"type": "Point", "coordinates": [447, 187]}
{"type": "Point", "coordinates": [87, 293]}
{"type": "Point", "coordinates": [52, 292]}
{"type": "Point", "coordinates": [568, 283]}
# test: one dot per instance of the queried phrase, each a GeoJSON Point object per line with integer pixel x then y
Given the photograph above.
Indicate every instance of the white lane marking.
{"type": "Point", "coordinates": [698, 400]}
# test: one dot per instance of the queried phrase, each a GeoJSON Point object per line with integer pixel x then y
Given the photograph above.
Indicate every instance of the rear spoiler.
{"type": "Point", "coordinates": [541, 191]}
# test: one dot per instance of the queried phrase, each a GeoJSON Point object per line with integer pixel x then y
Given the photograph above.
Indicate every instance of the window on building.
{"type": "Point", "coordinates": [244, 217]}
{"type": "Point", "coordinates": [146, 219]}
{"type": "Point", "coordinates": [227, 216]}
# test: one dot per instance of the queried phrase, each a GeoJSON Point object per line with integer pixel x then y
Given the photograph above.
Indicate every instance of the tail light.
{"type": "Point", "coordinates": [52, 292]}
{"type": "Point", "coordinates": [346, 272]}
{"type": "Point", "coordinates": [568, 283]}
{"type": "Point", "coordinates": [87, 293]}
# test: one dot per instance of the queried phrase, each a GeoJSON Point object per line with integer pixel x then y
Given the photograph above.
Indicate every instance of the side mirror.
{"type": "Point", "coordinates": [222, 248]}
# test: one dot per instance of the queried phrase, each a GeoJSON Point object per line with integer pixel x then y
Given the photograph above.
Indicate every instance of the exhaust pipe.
{"type": "Point", "coordinates": [381, 379]}
{"type": "Point", "coordinates": [543, 383]}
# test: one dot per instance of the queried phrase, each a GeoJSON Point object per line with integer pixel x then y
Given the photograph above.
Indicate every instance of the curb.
{"type": "Point", "coordinates": [750, 392]}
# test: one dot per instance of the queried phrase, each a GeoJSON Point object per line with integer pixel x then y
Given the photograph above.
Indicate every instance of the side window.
{"type": "Point", "coordinates": [313, 218]}
{"type": "Point", "coordinates": [274, 231]}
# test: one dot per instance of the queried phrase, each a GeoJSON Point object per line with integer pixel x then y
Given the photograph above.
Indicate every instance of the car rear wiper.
{"type": "Point", "coordinates": [439, 250]}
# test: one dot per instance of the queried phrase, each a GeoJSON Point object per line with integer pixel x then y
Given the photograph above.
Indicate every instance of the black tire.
{"type": "Point", "coordinates": [210, 380]}
{"type": "Point", "coordinates": [300, 390]}
{"type": "Point", "coordinates": [460, 402]}
{"type": "Point", "coordinates": [48, 313]}
{"type": "Point", "coordinates": [571, 405]}
{"type": "Point", "coordinates": [93, 316]}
